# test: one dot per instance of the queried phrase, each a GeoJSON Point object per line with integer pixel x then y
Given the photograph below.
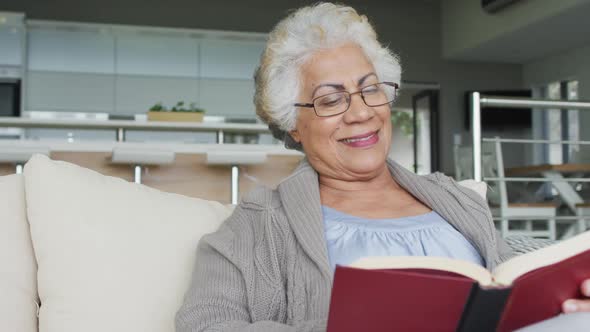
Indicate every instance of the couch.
{"type": "Point", "coordinates": [99, 253]}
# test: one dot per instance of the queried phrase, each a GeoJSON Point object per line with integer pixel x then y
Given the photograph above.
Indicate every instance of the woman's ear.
{"type": "Point", "coordinates": [295, 135]}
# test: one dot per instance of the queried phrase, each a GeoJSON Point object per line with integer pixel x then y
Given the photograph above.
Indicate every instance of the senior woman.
{"type": "Point", "coordinates": [325, 85]}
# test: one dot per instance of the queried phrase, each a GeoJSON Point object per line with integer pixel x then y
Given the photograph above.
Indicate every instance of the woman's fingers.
{"type": "Point", "coordinates": [573, 305]}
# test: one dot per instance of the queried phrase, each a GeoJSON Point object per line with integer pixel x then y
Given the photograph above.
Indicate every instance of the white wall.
{"type": "Point", "coordinates": [465, 25]}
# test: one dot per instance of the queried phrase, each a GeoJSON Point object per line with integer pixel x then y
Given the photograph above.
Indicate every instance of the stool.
{"type": "Point", "coordinates": [19, 155]}
{"type": "Point", "coordinates": [138, 158]}
{"type": "Point", "coordinates": [235, 159]}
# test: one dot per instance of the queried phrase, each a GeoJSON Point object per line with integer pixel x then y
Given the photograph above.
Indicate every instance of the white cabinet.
{"type": "Point", "coordinates": [11, 45]}
{"type": "Point", "coordinates": [70, 69]}
{"type": "Point", "coordinates": [125, 70]}
{"type": "Point", "coordinates": [71, 50]}
{"type": "Point", "coordinates": [69, 92]}
{"type": "Point", "coordinates": [229, 98]}
{"type": "Point", "coordinates": [155, 68]}
{"type": "Point", "coordinates": [12, 37]}
{"type": "Point", "coordinates": [157, 56]}
{"type": "Point", "coordinates": [230, 59]}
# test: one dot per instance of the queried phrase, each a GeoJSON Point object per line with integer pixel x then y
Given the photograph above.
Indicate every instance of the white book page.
{"type": "Point", "coordinates": [510, 270]}
{"type": "Point", "coordinates": [468, 269]}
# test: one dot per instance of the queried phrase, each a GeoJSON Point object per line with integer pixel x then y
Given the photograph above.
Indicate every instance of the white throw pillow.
{"type": "Point", "coordinates": [18, 269]}
{"type": "Point", "coordinates": [479, 187]}
{"type": "Point", "coordinates": [112, 255]}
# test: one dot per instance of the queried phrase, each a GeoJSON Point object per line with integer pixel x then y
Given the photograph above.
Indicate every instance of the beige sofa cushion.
{"type": "Point", "coordinates": [479, 187]}
{"type": "Point", "coordinates": [112, 255]}
{"type": "Point", "coordinates": [18, 269]}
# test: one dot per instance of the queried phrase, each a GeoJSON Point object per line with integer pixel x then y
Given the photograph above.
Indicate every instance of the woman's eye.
{"type": "Point", "coordinates": [331, 101]}
{"type": "Point", "coordinates": [370, 90]}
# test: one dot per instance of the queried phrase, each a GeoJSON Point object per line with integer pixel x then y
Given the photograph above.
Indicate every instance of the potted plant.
{"type": "Point", "coordinates": [403, 121]}
{"type": "Point", "coordinates": [178, 113]}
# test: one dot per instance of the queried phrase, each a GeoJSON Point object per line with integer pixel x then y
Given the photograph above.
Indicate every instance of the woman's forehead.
{"type": "Point", "coordinates": [338, 65]}
{"type": "Point", "coordinates": [350, 54]}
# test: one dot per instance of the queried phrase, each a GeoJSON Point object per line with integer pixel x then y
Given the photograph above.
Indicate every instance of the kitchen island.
{"type": "Point", "coordinates": [189, 174]}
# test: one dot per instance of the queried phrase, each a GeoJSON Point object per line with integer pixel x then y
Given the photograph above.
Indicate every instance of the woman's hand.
{"type": "Point", "coordinates": [578, 305]}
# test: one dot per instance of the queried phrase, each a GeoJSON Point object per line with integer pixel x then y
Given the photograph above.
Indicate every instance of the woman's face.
{"type": "Point", "coordinates": [326, 140]}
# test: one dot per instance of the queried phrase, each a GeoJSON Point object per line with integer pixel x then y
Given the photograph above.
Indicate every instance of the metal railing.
{"type": "Point", "coordinates": [477, 101]}
{"type": "Point", "coordinates": [533, 141]}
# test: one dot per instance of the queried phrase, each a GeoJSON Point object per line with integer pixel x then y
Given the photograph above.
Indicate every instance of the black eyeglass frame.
{"type": "Point", "coordinates": [312, 104]}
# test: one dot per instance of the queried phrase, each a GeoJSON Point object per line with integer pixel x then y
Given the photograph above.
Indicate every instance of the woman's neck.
{"type": "Point", "coordinates": [377, 197]}
{"type": "Point", "coordinates": [335, 189]}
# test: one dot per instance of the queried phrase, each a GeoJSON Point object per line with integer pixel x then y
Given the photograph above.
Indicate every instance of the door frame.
{"type": "Point", "coordinates": [433, 97]}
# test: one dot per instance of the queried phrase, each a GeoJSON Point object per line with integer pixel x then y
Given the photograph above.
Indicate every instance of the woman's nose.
{"type": "Point", "coordinates": [358, 111]}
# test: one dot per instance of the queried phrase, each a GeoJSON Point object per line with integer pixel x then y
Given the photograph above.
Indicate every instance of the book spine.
{"type": "Point", "coordinates": [483, 309]}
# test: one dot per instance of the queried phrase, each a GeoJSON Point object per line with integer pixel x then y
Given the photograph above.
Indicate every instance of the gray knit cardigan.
{"type": "Point", "coordinates": [266, 268]}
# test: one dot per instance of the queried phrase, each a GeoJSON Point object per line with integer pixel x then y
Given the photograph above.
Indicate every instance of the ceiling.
{"type": "Point", "coordinates": [556, 34]}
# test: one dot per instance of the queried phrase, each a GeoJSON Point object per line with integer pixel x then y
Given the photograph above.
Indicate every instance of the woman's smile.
{"type": "Point", "coordinates": [362, 141]}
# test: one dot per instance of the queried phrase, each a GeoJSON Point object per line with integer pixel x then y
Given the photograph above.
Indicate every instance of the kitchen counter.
{"type": "Point", "coordinates": [245, 128]}
{"type": "Point", "coordinates": [108, 146]}
{"type": "Point", "coordinates": [189, 175]}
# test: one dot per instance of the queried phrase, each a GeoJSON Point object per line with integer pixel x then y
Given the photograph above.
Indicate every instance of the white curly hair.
{"type": "Point", "coordinates": [292, 42]}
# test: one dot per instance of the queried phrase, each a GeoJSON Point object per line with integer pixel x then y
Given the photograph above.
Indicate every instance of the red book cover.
{"type": "Point", "coordinates": [433, 300]}
{"type": "Point", "coordinates": [538, 295]}
{"type": "Point", "coordinates": [401, 300]}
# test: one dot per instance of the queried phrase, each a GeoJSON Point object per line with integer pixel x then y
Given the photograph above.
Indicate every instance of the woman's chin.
{"type": "Point", "coordinates": [367, 165]}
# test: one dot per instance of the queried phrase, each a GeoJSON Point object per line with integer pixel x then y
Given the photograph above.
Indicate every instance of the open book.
{"type": "Point", "coordinates": [434, 293]}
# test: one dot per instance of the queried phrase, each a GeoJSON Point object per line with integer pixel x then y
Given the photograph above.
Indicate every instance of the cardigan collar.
{"type": "Point", "coordinates": [300, 197]}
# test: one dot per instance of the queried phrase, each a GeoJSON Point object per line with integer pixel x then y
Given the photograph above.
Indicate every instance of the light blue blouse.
{"type": "Point", "coordinates": [350, 238]}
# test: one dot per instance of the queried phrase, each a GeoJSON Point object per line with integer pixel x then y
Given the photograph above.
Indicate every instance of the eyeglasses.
{"type": "Point", "coordinates": [335, 103]}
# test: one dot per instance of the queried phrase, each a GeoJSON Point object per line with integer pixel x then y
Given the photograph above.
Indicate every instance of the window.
{"type": "Point", "coordinates": [560, 124]}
